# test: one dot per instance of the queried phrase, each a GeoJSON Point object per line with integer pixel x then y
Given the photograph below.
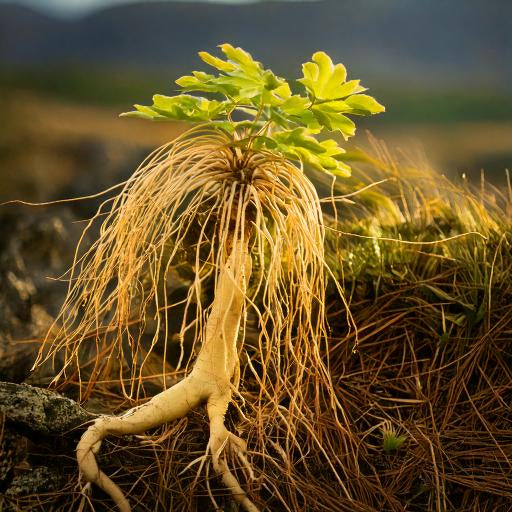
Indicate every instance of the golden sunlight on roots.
{"type": "Point", "coordinates": [258, 234]}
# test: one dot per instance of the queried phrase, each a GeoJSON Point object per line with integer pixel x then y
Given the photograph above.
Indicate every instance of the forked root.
{"type": "Point", "coordinates": [169, 405]}
{"type": "Point", "coordinates": [210, 381]}
{"type": "Point", "coordinates": [221, 440]}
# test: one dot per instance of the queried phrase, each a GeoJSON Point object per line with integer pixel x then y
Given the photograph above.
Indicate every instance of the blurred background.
{"type": "Point", "coordinates": [69, 67]}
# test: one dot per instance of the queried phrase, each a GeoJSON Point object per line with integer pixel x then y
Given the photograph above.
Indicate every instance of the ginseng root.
{"type": "Point", "coordinates": [210, 382]}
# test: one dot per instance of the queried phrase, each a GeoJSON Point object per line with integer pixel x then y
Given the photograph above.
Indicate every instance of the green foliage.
{"type": "Point", "coordinates": [258, 108]}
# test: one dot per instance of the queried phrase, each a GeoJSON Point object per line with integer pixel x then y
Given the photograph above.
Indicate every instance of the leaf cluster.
{"type": "Point", "coordinates": [259, 110]}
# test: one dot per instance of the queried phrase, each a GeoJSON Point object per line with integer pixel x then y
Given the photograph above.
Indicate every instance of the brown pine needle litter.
{"type": "Point", "coordinates": [424, 356]}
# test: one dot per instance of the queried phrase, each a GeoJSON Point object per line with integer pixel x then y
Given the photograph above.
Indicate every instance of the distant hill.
{"type": "Point", "coordinates": [428, 43]}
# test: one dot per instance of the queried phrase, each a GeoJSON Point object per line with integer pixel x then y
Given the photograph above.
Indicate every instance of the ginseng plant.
{"type": "Point", "coordinates": [231, 195]}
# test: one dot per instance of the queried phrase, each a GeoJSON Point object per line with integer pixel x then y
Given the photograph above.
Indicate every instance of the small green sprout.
{"type": "Point", "coordinates": [392, 440]}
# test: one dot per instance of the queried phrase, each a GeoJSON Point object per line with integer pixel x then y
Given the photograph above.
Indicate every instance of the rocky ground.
{"type": "Point", "coordinates": [36, 248]}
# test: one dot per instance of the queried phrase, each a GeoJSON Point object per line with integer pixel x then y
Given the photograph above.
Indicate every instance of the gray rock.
{"type": "Point", "coordinates": [40, 411]}
{"type": "Point", "coordinates": [35, 245]}
{"type": "Point", "coordinates": [37, 480]}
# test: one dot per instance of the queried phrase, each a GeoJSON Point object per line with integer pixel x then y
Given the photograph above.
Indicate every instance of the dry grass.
{"type": "Point", "coordinates": [430, 360]}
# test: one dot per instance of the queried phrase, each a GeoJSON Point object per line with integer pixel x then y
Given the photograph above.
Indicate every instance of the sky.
{"type": "Point", "coordinates": [79, 7]}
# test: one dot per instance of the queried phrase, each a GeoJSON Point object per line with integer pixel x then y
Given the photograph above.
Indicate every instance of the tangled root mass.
{"type": "Point", "coordinates": [251, 227]}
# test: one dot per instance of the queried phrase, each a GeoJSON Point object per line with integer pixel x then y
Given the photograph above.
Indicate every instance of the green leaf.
{"type": "Point", "coordinates": [295, 109]}
{"type": "Point", "coordinates": [276, 85]}
{"type": "Point", "coordinates": [393, 442]}
{"type": "Point", "coordinates": [143, 112]}
{"type": "Point", "coordinates": [192, 83]}
{"type": "Point", "coordinates": [331, 159]}
{"type": "Point", "coordinates": [299, 144]}
{"type": "Point", "coordinates": [182, 107]}
{"type": "Point", "coordinates": [279, 118]}
{"type": "Point", "coordinates": [324, 162]}
{"type": "Point", "coordinates": [350, 87]}
{"type": "Point", "coordinates": [223, 85]}
{"type": "Point", "coordinates": [321, 78]}
{"type": "Point", "coordinates": [275, 90]}
{"type": "Point", "coordinates": [299, 137]}
{"type": "Point", "coordinates": [333, 106]}
{"type": "Point", "coordinates": [363, 104]}
{"type": "Point", "coordinates": [243, 59]}
{"type": "Point", "coordinates": [201, 82]}
{"type": "Point", "coordinates": [332, 148]}
{"type": "Point", "coordinates": [215, 62]}
{"type": "Point", "coordinates": [334, 121]}
{"type": "Point", "coordinates": [295, 105]}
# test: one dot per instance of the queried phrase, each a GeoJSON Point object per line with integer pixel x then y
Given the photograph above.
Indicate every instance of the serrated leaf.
{"type": "Point", "coordinates": [290, 121]}
{"type": "Point", "coordinates": [217, 63]}
{"type": "Point", "coordinates": [363, 104]}
{"type": "Point", "coordinates": [334, 121]}
{"type": "Point", "coordinates": [332, 148]}
{"type": "Point", "coordinates": [322, 78]}
{"type": "Point", "coordinates": [182, 107]}
{"type": "Point", "coordinates": [139, 115]}
{"type": "Point", "coordinates": [240, 85]}
{"type": "Point", "coordinates": [283, 90]}
{"type": "Point", "coordinates": [310, 72]}
{"type": "Point", "coordinates": [299, 144]}
{"type": "Point", "coordinates": [244, 59]}
{"type": "Point", "coordinates": [190, 82]}
{"type": "Point", "coordinates": [333, 106]}
{"type": "Point", "coordinates": [269, 98]}
{"type": "Point", "coordinates": [136, 114]}
{"type": "Point", "coordinates": [144, 112]}
{"type": "Point", "coordinates": [296, 109]}
{"type": "Point", "coordinates": [203, 82]}
{"type": "Point", "coordinates": [298, 138]}
{"type": "Point", "coordinates": [295, 104]}
{"type": "Point", "coordinates": [270, 80]}
{"type": "Point", "coordinates": [332, 161]}
{"type": "Point", "coordinates": [171, 102]}
{"type": "Point", "coordinates": [279, 118]}
{"type": "Point", "coordinates": [307, 119]}
{"type": "Point", "coordinates": [343, 170]}
{"type": "Point", "coordinates": [277, 96]}
{"type": "Point", "coordinates": [276, 86]}
{"type": "Point", "coordinates": [322, 162]}
{"type": "Point", "coordinates": [350, 87]}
